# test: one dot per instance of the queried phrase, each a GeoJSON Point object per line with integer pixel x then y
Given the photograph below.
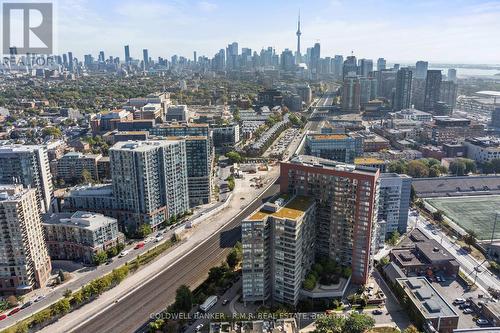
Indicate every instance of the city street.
{"type": "Point", "coordinates": [482, 276]}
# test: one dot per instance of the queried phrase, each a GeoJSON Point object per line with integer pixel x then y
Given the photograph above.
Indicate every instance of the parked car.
{"type": "Point", "coordinates": [27, 304]}
{"type": "Point", "coordinates": [139, 246]}
{"type": "Point", "coordinates": [482, 321]}
{"type": "Point", "coordinates": [224, 302]}
{"type": "Point", "coordinates": [199, 327]}
{"type": "Point", "coordinates": [377, 312]}
{"type": "Point", "coordinates": [468, 311]}
{"type": "Point", "coordinates": [459, 301]}
{"type": "Point", "coordinates": [14, 311]}
{"type": "Point", "coordinates": [39, 298]}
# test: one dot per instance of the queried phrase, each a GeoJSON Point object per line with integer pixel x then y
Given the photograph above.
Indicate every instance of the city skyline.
{"type": "Point", "coordinates": [368, 29]}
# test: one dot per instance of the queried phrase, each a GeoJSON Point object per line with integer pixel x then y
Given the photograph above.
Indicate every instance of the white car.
{"type": "Point", "coordinates": [481, 321]}
{"type": "Point", "coordinates": [199, 327]}
{"type": "Point", "coordinates": [123, 254]}
{"type": "Point", "coordinates": [158, 239]}
{"type": "Point", "coordinates": [39, 298]}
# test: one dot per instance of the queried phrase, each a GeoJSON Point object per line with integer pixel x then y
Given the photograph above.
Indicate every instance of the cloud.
{"type": "Point", "coordinates": [207, 6]}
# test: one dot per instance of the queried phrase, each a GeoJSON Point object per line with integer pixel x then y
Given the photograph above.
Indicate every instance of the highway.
{"type": "Point", "coordinates": [130, 312]}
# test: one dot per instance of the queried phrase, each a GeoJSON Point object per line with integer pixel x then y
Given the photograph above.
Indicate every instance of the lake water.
{"type": "Point", "coordinates": [469, 72]}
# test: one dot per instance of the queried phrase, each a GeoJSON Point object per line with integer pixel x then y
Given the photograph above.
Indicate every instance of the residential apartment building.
{"type": "Point", "coordinates": [278, 249]}
{"type": "Point", "coordinates": [199, 161]}
{"type": "Point", "coordinates": [29, 166]}
{"type": "Point", "coordinates": [394, 203]}
{"type": "Point", "coordinates": [483, 149]}
{"type": "Point", "coordinates": [177, 129]}
{"type": "Point", "coordinates": [79, 236]}
{"type": "Point", "coordinates": [24, 260]}
{"type": "Point", "coordinates": [346, 199]}
{"type": "Point", "coordinates": [338, 147]}
{"type": "Point", "coordinates": [446, 129]}
{"type": "Point", "coordinates": [150, 179]}
{"type": "Point", "coordinates": [70, 167]}
{"type": "Point", "coordinates": [225, 137]}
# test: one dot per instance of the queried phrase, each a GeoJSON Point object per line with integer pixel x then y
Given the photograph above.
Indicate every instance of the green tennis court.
{"type": "Point", "coordinates": [475, 213]}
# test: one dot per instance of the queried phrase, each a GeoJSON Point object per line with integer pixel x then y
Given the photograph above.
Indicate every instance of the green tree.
{"type": "Point", "coordinates": [417, 169]}
{"type": "Point", "coordinates": [398, 167]}
{"type": "Point", "coordinates": [458, 167]}
{"type": "Point", "coordinates": [216, 274]}
{"type": "Point", "coordinates": [233, 258]}
{"type": "Point", "coordinates": [41, 317]}
{"type": "Point", "coordinates": [384, 261]}
{"type": "Point", "coordinates": [77, 297]}
{"type": "Point", "coordinates": [410, 329]}
{"type": "Point", "coordinates": [234, 157]}
{"type": "Point", "coordinates": [434, 171]}
{"type": "Point", "coordinates": [51, 131]}
{"type": "Point", "coordinates": [61, 307]}
{"type": "Point", "coordinates": [60, 274]}
{"type": "Point", "coordinates": [183, 299]}
{"type": "Point", "coordinates": [330, 324]}
{"type": "Point", "coordinates": [67, 293]}
{"type": "Point", "coordinates": [144, 230]}
{"type": "Point", "coordinates": [358, 323]}
{"type": "Point", "coordinates": [470, 165]}
{"type": "Point", "coordinates": [100, 258]}
{"type": "Point", "coordinates": [393, 238]}
{"type": "Point", "coordinates": [86, 177]}
{"type": "Point", "coordinates": [470, 238]}
{"type": "Point", "coordinates": [309, 282]}
{"type": "Point", "coordinates": [438, 216]}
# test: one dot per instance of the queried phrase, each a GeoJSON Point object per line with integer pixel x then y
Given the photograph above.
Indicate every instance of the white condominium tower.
{"type": "Point", "coordinates": [24, 258]}
{"type": "Point", "coordinates": [150, 179]}
{"type": "Point", "coordinates": [29, 166]}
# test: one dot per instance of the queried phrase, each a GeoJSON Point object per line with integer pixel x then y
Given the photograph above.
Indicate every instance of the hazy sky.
{"type": "Point", "coordinates": [452, 31]}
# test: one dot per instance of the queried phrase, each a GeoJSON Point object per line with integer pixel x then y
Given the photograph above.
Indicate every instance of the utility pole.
{"type": "Point", "coordinates": [494, 228]}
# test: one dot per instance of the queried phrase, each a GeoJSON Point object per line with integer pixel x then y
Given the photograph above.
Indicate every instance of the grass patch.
{"type": "Point", "coordinates": [471, 213]}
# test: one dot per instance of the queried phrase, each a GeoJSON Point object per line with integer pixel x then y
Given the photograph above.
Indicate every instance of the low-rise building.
{"type": "Point", "coordinates": [338, 147]}
{"type": "Point", "coordinates": [371, 162]}
{"type": "Point", "coordinates": [419, 255]}
{"type": "Point", "coordinates": [446, 129]}
{"type": "Point", "coordinates": [483, 149]}
{"type": "Point", "coordinates": [79, 236]}
{"type": "Point", "coordinates": [177, 113]}
{"type": "Point", "coordinates": [427, 307]}
{"type": "Point", "coordinates": [413, 114]}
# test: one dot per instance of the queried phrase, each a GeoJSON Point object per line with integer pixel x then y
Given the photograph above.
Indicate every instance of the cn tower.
{"type": "Point", "coordinates": [298, 56]}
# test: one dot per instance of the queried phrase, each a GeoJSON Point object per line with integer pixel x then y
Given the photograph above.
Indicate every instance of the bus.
{"type": "Point", "coordinates": [209, 302]}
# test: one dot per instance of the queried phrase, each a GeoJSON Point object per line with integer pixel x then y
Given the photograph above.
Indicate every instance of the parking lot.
{"type": "Point", "coordinates": [279, 146]}
{"type": "Point", "coordinates": [452, 290]}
